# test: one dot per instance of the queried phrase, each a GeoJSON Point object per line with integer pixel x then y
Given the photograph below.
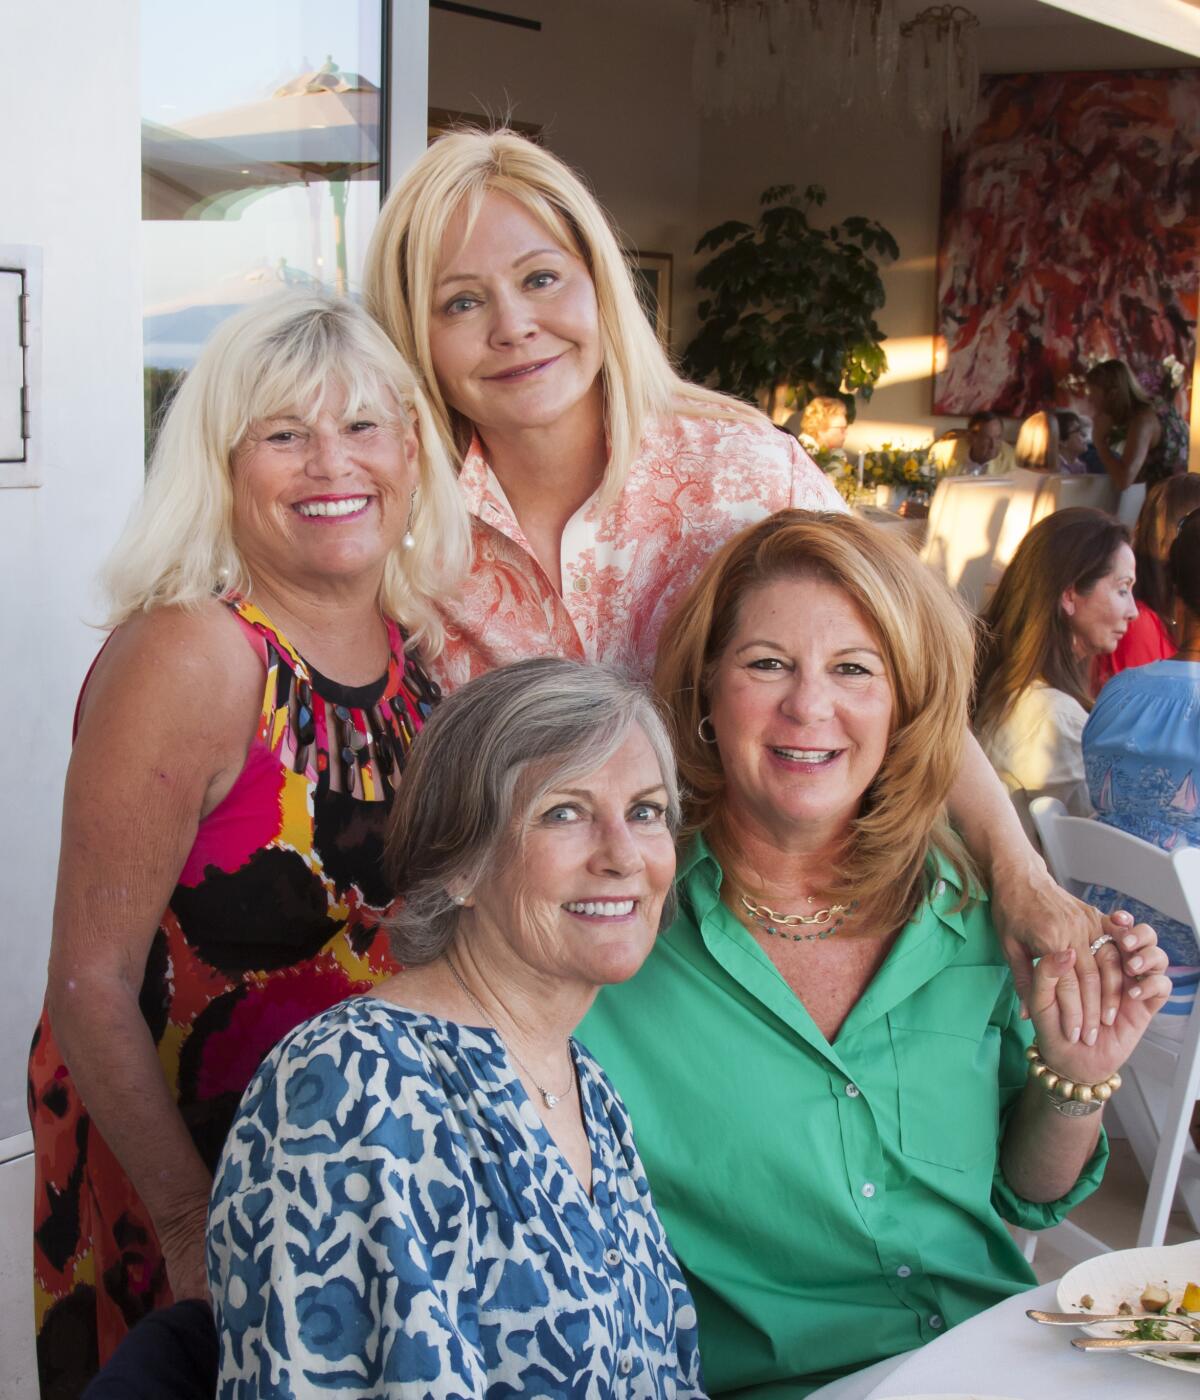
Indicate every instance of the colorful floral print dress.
{"type": "Point", "coordinates": [274, 918]}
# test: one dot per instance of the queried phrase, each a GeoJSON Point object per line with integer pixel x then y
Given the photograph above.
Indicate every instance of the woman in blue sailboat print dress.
{"type": "Point", "coordinates": [1141, 752]}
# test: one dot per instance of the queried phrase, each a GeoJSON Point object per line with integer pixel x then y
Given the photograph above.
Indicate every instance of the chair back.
{"type": "Point", "coordinates": [1162, 1075]}
{"type": "Point", "coordinates": [977, 522]}
{"type": "Point", "coordinates": [1082, 851]}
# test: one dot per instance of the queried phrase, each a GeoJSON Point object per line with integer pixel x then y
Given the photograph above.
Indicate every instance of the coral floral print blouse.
{"type": "Point", "coordinates": [695, 483]}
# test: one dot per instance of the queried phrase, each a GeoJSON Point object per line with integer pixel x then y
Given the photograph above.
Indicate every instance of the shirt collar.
{"type": "Point", "coordinates": [476, 480]}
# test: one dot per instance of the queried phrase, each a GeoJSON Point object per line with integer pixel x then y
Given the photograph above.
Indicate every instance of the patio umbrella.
{"type": "Point", "coordinates": [183, 178]}
{"type": "Point", "coordinates": [322, 126]}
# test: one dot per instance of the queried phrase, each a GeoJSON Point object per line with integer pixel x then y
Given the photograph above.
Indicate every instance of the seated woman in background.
{"type": "Point", "coordinates": [238, 741]}
{"type": "Point", "coordinates": [1067, 596]}
{"type": "Point", "coordinates": [1037, 443]}
{"type": "Point", "coordinates": [823, 1054]}
{"type": "Point", "coordinates": [1151, 635]}
{"type": "Point", "coordinates": [1072, 443]}
{"type": "Point", "coordinates": [1141, 749]}
{"type": "Point", "coordinates": [433, 1190]}
{"type": "Point", "coordinates": [1136, 437]}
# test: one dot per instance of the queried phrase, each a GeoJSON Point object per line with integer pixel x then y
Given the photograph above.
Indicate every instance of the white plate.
{"type": "Point", "coordinates": [1119, 1277]}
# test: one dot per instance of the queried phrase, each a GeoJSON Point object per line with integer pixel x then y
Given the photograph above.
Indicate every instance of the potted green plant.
{"type": "Point", "coordinates": [790, 310]}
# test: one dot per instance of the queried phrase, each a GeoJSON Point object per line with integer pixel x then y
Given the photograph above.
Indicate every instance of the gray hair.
{"type": "Point", "coordinates": [545, 720]}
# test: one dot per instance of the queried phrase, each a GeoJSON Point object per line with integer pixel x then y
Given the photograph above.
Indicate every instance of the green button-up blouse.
{"type": "Point", "coordinates": [831, 1205]}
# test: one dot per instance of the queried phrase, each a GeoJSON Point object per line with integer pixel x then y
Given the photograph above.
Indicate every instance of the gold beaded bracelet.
{"type": "Point", "coordinates": [1071, 1099]}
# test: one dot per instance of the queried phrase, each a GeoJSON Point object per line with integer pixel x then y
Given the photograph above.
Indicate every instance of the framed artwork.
{"type": "Point", "coordinates": [1069, 228]}
{"type": "Point", "coordinates": [652, 272]}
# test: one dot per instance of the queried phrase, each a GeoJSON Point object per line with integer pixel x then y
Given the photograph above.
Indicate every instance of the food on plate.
{"type": "Point", "coordinates": [1155, 1297]}
{"type": "Point", "coordinates": [1191, 1298]}
{"type": "Point", "coordinates": [1087, 1302]}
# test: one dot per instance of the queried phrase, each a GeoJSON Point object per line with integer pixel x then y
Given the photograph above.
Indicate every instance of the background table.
{"type": "Point", "coordinates": [1000, 1352]}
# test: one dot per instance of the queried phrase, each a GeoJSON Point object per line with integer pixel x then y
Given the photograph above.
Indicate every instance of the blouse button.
{"type": "Point", "coordinates": [852, 1091]}
{"type": "Point", "coordinates": [903, 1271]}
{"type": "Point", "coordinates": [868, 1189]}
{"type": "Point", "coordinates": [935, 1321]}
{"type": "Point", "coordinates": [940, 887]}
{"type": "Point", "coordinates": [582, 583]}
{"type": "Point", "coordinates": [625, 1365]}
{"type": "Point", "coordinates": [612, 1257]}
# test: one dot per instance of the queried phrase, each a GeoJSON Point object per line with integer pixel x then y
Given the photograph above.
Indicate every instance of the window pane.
{"type": "Point", "coordinates": [260, 160]}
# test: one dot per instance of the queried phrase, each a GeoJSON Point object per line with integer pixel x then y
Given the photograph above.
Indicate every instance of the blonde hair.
{"type": "Point", "coordinates": [819, 413]}
{"type": "Point", "coordinates": [284, 353]}
{"type": "Point", "coordinates": [459, 169]}
{"type": "Point", "coordinates": [1123, 395]}
{"type": "Point", "coordinates": [1037, 443]}
{"type": "Point", "coordinates": [925, 637]}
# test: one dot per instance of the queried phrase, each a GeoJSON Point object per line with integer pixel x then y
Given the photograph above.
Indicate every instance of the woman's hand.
{"type": "Point", "coordinates": [1102, 425]}
{"type": "Point", "coordinates": [1033, 914]}
{"type": "Point", "coordinates": [1034, 917]}
{"type": "Point", "coordinates": [1145, 987]}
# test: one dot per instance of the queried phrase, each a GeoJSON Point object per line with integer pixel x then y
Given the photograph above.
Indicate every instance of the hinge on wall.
{"type": "Point", "coordinates": [24, 413]}
{"type": "Point", "coordinates": [23, 317]}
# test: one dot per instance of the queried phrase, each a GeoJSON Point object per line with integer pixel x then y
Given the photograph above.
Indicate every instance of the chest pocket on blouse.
{"type": "Point", "coordinates": [947, 1064]}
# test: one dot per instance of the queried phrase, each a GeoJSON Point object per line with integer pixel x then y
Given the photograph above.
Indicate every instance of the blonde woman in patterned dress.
{"type": "Point", "coordinates": [599, 482]}
{"type": "Point", "coordinates": [237, 746]}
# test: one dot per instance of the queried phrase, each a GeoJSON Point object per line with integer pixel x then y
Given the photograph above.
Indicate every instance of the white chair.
{"type": "Point", "coordinates": [1162, 1078]}
{"type": "Point", "coordinates": [977, 522]}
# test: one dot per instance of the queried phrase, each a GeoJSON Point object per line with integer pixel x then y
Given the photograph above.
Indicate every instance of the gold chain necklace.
{"type": "Point", "coordinates": [550, 1100]}
{"type": "Point", "coordinates": [784, 925]}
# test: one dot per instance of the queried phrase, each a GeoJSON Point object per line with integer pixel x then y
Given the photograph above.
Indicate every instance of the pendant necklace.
{"type": "Point", "coordinates": [551, 1100]}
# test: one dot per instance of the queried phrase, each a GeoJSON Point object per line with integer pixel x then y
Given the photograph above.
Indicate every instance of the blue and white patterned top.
{"type": "Point", "coordinates": [391, 1218]}
{"type": "Point", "coordinates": [1141, 751]}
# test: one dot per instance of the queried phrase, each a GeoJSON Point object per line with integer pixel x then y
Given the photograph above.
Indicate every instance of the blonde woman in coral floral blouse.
{"type": "Point", "coordinates": [599, 482]}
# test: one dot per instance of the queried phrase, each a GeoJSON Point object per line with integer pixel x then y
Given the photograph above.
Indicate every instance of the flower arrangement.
{"type": "Point", "coordinates": [1173, 373]}
{"type": "Point", "coordinates": [910, 467]}
{"type": "Point", "coordinates": [899, 466]}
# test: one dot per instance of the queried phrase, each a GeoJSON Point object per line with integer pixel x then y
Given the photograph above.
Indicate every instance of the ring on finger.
{"type": "Point", "coordinates": [1100, 942]}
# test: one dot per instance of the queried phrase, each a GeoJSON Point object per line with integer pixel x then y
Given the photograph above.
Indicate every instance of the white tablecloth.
{"type": "Point", "coordinates": [1002, 1353]}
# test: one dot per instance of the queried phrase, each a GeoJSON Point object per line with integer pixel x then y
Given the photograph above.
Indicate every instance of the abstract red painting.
{"type": "Point", "coordinates": [1070, 229]}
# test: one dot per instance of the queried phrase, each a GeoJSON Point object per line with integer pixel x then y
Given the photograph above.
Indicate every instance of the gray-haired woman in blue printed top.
{"type": "Point", "coordinates": [433, 1189]}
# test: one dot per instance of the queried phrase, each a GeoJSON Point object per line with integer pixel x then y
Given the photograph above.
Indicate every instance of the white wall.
{"type": "Point", "coordinates": [885, 173]}
{"type": "Point", "coordinates": [610, 83]}
{"type": "Point", "coordinates": [69, 169]}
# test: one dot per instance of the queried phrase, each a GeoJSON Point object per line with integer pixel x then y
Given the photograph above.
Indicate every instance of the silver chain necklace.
{"type": "Point", "coordinates": [551, 1100]}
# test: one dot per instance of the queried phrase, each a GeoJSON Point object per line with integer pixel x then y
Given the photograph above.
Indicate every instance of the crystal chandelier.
{"type": "Point", "coordinates": [824, 59]}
